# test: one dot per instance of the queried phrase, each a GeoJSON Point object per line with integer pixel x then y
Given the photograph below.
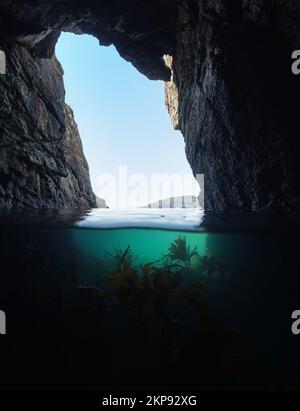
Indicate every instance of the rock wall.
{"type": "Point", "coordinates": [42, 162]}
{"type": "Point", "coordinates": [230, 89]}
{"type": "Point", "coordinates": [237, 100]}
{"type": "Point", "coordinates": [76, 185]}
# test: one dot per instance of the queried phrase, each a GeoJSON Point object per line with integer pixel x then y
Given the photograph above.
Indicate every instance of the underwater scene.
{"type": "Point", "coordinates": [154, 299]}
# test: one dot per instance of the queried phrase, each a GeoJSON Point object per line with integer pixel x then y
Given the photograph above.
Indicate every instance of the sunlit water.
{"type": "Point", "coordinates": [149, 299]}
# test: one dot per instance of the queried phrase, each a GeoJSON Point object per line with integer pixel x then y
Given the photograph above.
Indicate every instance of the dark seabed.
{"type": "Point", "coordinates": [152, 299]}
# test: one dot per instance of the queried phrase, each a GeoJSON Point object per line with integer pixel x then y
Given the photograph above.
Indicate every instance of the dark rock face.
{"type": "Point", "coordinates": [231, 93]}
{"type": "Point", "coordinates": [76, 186]}
{"type": "Point", "coordinates": [238, 101]}
{"type": "Point", "coordinates": [142, 31]}
{"type": "Point", "coordinates": [42, 162]}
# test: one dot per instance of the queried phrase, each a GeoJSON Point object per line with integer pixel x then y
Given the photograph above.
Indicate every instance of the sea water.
{"type": "Point", "coordinates": [148, 299]}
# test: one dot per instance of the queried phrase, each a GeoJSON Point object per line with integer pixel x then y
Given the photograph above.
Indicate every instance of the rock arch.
{"type": "Point", "coordinates": [231, 93]}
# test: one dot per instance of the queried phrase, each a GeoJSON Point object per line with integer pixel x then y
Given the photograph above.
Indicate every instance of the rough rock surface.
{"type": "Point", "coordinates": [231, 93]}
{"type": "Point", "coordinates": [76, 185]}
{"type": "Point", "coordinates": [238, 100]}
{"type": "Point", "coordinates": [42, 162]}
{"type": "Point", "coordinates": [142, 31]}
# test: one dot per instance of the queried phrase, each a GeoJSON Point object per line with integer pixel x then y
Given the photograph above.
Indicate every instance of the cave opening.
{"type": "Point", "coordinates": [155, 300]}
{"type": "Point", "coordinates": [135, 156]}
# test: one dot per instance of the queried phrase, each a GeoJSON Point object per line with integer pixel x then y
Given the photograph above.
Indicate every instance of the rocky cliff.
{"type": "Point", "coordinates": [42, 162]}
{"type": "Point", "coordinates": [234, 97]}
{"type": "Point", "coordinates": [230, 89]}
{"type": "Point", "coordinates": [76, 185]}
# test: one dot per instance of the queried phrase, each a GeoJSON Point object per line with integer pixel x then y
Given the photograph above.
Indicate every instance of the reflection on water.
{"type": "Point", "coordinates": [148, 299]}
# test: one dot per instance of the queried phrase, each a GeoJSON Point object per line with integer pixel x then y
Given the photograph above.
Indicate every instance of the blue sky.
{"type": "Point", "coordinates": [121, 114]}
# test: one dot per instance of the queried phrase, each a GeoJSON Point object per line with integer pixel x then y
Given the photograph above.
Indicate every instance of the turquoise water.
{"type": "Point", "coordinates": [149, 299]}
{"type": "Point", "coordinates": [95, 246]}
{"type": "Point", "coordinates": [148, 245]}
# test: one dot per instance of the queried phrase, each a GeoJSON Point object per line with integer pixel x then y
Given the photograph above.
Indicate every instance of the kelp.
{"type": "Point", "coordinates": [150, 284]}
{"type": "Point", "coordinates": [162, 303]}
{"type": "Point", "coordinates": [120, 255]}
{"type": "Point", "coordinates": [159, 284]}
{"type": "Point", "coordinates": [181, 252]}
